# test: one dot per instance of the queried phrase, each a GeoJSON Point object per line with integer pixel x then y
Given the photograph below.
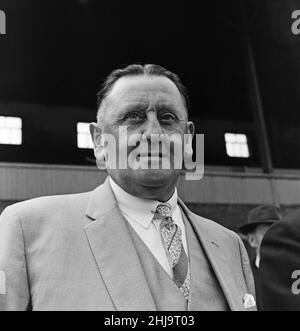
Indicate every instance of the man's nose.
{"type": "Point", "coordinates": [152, 126]}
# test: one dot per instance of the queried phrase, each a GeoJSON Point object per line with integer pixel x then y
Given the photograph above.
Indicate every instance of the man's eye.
{"type": "Point", "coordinates": [134, 117]}
{"type": "Point", "coordinates": [168, 118]}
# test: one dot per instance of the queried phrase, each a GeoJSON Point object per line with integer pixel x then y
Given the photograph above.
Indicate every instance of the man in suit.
{"type": "Point", "coordinates": [131, 244]}
{"type": "Point", "coordinates": [259, 220]}
{"type": "Point", "coordinates": [279, 275]}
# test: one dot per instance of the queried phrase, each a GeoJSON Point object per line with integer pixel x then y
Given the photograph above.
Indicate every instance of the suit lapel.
{"type": "Point", "coordinates": [218, 261]}
{"type": "Point", "coordinates": [115, 254]}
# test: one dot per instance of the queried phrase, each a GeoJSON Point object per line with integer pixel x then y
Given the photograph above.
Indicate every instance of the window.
{"type": "Point", "coordinates": [10, 130]}
{"type": "Point", "coordinates": [237, 145]}
{"type": "Point", "coordinates": [84, 139]}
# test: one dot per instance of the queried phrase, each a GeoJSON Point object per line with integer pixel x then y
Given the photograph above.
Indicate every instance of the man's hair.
{"type": "Point", "coordinates": [137, 70]}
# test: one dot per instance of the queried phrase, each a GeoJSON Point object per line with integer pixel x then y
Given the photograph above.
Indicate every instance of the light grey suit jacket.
{"type": "Point", "coordinates": [74, 252]}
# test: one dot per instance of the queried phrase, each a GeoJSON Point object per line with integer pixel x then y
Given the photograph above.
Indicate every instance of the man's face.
{"type": "Point", "coordinates": [256, 236]}
{"type": "Point", "coordinates": [145, 105]}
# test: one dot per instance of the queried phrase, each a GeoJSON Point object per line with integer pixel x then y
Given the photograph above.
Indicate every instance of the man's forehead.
{"type": "Point", "coordinates": [142, 88]}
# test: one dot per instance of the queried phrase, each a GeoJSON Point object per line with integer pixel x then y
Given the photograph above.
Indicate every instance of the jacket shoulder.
{"type": "Point", "coordinates": [48, 207]}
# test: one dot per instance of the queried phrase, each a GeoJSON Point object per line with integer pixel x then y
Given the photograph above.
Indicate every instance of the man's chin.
{"type": "Point", "coordinates": [154, 178]}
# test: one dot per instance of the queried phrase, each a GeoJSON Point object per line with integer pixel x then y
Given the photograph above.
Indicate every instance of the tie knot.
{"type": "Point", "coordinates": [163, 210]}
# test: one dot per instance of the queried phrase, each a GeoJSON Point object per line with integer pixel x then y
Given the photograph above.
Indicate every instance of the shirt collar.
{"type": "Point", "coordinates": [257, 261]}
{"type": "Point", "coordinates": [141, 210]}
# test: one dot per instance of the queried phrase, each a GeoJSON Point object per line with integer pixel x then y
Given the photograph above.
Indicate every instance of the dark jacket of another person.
{"type": "Point", "coordinates": [279, 272]}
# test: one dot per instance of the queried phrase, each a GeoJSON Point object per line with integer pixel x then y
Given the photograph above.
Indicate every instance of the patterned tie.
{"type": "Point", "coordinates": [171, 236]}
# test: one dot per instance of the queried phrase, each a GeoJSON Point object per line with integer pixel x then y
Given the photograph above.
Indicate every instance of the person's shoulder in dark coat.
{"type": "Point", "coordinates": [279, 273]}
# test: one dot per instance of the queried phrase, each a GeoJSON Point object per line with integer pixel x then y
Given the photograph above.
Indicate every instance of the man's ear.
{"type": "Point", "coordinates": [252, 240]}
{"type": "Point", "coordinates": [188, 148]}
{"type": "Point", "coordinates": [99, 150]}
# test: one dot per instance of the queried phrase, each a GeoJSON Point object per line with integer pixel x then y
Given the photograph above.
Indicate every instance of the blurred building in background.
{"type": "Point", "coordinates": [239, 60]}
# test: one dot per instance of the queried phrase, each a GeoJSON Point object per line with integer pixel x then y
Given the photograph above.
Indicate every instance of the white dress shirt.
{"type": "Point", "coordinates": [139, 213]}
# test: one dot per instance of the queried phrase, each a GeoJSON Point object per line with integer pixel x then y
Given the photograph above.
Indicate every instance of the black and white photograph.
{"type": "Point", "coordinates": [149, 158]}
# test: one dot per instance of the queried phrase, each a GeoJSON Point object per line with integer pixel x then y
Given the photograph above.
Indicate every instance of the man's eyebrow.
{"type": "Point", "coordinates": [167, 107]}
{"type": "Point", "coordinates": [142, 107]}
{"type": "Point", "coordinates": [134, 107]}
